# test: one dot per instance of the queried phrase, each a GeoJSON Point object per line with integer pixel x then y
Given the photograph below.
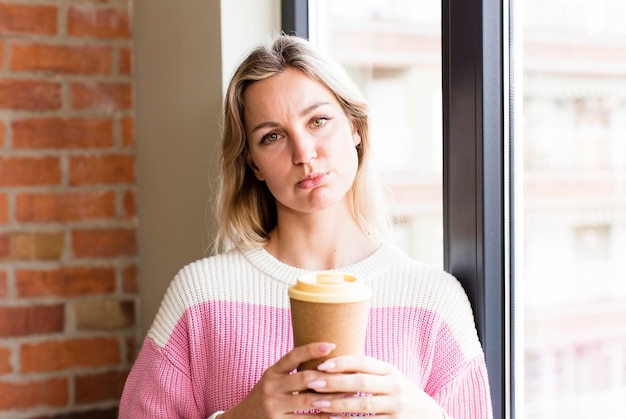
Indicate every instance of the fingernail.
{"type": "Point", "coordinates": [326, 365]}
{"type": "Point", "coordinates": [325, 347]}
{"type": "Point", "coordinates": [320, 404]}
{"type": "Point", "coordinates": [317, 384]}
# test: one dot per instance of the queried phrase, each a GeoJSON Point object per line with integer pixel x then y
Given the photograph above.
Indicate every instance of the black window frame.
{"type": "Point", "coordinates": [476, 171]}
{"type": "Point", "coordinates": [294, 15]}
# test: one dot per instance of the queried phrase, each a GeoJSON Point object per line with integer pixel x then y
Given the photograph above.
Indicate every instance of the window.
{"type": "Point", "coordinates": [392, 50]}
{"type": "Point", "coordinates": [572, 136]}
{"type": "Point", "coordinates": [534, 187]}
{"type": "Point", "coordinates": [472, 185]}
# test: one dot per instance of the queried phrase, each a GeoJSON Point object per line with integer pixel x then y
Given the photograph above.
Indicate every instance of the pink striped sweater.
{"type": "Point", "coordinates": [225, 319]}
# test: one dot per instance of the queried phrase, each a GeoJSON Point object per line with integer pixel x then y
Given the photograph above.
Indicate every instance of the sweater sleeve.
{"type": "Point", "coordinates": [156, 388]}
{"type": "Point", "coordinates": [460, 382]}
{"type": "Point", "coordinates": [467, 395]}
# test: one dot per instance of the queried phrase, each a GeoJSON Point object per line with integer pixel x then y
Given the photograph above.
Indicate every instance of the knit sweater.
{"type": "Point", "coordinates": [225, 319]}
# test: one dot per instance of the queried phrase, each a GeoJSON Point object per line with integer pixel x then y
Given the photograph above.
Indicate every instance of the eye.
{"type": "Point", "coordinates": [319, 121]}
{"type": "Point", "coordinates": [270, 137]}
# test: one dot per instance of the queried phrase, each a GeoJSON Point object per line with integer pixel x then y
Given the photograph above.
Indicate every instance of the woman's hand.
{"type": "Point", "coordinates": [279, 393]}
{"type": "Point", "coordinates": [387, 392]}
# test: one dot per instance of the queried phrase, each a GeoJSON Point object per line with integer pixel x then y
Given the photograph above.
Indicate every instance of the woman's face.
{"type": "Point", "coordinates": [300, 141]}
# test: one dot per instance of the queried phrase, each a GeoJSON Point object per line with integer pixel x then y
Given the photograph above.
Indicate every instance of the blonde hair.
{"type": "Point", "coordinates": [246, 210]}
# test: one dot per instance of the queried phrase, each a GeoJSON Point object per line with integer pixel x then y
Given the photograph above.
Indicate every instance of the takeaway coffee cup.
{"type": "Point", "coordinates": [330, 307]}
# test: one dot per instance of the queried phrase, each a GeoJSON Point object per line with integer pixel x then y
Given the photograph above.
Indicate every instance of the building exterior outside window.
{"type": "Point", "coordinates": [574, 141]}
{"type": "Point", "coordinates": [393, 51]}
{"type": "Point", "coordinates": [570, 114]}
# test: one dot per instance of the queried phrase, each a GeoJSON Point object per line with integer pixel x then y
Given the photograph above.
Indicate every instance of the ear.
{"type": "Point", "coordinates": [254, 167]}
{"type": "Point", "coordinates": [356, 137]}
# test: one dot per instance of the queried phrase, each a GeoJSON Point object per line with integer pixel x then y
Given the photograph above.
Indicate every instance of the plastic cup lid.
{"type": "Point", "coordinates": [329, 287]}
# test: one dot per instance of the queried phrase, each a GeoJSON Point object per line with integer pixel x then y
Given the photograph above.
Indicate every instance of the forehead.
{"type": "Point", "coordinates": [291, 89]}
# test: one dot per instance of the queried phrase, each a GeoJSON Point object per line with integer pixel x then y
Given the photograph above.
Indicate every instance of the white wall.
{"type": "Point", "coordinates": [244, 24]}
{"type": "Point", "coordinates": [184, 52]}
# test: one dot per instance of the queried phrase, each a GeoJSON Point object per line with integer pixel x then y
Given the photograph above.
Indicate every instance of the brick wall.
{"type": "Point", "coordinates": [68, 248]}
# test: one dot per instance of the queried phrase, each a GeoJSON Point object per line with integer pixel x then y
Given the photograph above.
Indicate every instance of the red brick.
{"type": "Point", "coordinates": [129, 279]}
{"type": "Point", "coordinates": [126, 61]}
{"type": "Point", "coordinates": [4, 208]}
{"type": "Point", "coordinates": [101, 96]}
{"type": "Point", "coordinates": [5, 360]}
{"type": "Point", "coordinates": [64, 206]}
{"type": "Point", "coordinates": [103, 314]}
{"type": "Point", "coordinates": [31, 320]}
{"type": "Point", "coordinates": [2, 128]}
{"type": "Point", "coordinates": [1, 52]}
{"type": "Point", "coordinates": [5, 245]}
{"type": "Point", "coordinates": [23, 395]}
{"type": "Point", "coordinates": [29, 171]}
{"type": "Point", "coordinates": [65, 282]}
{"type": "Point", "coordinates": [129, 204]}
{"type": "Point", "coordinates": [58, 133]}
{"type": "Point", "coordinates": [66, 354]}
{"type": "Point", "coordinates": [33, 19]}
{"type": "Point", "coordinates": [131, 349]}
{"type": "Point", "coordinates": [30, 95]}
{"type": "Point", "coordinates": [128, 132]}
{"type": "Point", "coordinates": [65, 59]}
{"type": "Point", "coordinates": [4, 284]}
{"type": "Point", "coordinates": [99, 387]}
{"type": "Point", "coordinates": [112, 242]}
{"type": "Point", "coordinates": [98, 22]}
{"type": "Point", "coordinates": [102, 169]}
{"type": "Point", "coordinates": [37, 245]}
{"type": "Point", "coordinates": [93, 412]}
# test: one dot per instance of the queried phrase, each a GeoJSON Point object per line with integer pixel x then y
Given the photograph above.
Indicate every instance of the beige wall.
{"type": "Point", "coordinates": [184, 51]}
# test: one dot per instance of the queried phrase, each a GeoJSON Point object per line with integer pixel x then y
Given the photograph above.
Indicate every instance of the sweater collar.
{"type": "Point", "coordinates": [367, 269]}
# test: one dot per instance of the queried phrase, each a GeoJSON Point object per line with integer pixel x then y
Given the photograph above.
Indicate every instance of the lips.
{"type": "Point", "coordinates": [312, 180]}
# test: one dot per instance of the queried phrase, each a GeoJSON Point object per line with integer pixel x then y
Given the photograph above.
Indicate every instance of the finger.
{"type": "Point", "coordinates": [353, 383]}
{"type": "Point", "coordinates": [300, 404]}
{"type": "Point", "coordinates": [350, 416]}
{"type": "Point", "coordinates": [301, 354]}
{"type": "Point", "coordinates": [363, 405]}
{"type": "Point", "coordinates": [352, 364]}
{"type": "Point", "coordinates": [299, 382]}
{"type": "Point", "coordinates": [276, 403]}
{"type": "Point", "coordinates": [312, 404]}
{"type": "Point", "coordinates": [378, 406]}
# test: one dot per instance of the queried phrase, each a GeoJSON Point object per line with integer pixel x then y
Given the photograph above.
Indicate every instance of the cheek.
{"type": "Point", "coordinates": [270, 171]}
{"type": "Point", "coordinates": [348, 160]}
{"type": "Point", "coordinates": [347, 150]}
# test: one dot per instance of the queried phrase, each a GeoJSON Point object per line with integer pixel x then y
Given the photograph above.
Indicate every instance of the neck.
{"type": "Point", "coordinates": [318, 242]}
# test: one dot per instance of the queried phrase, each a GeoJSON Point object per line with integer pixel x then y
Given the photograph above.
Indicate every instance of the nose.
{"type": "Point", "coordinates": [303, 148]}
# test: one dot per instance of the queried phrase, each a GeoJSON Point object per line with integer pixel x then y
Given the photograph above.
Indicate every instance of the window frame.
{"type": "Point", "coordinates": [477, 212]}
{"type": "Point", "coordinates": [294, 15]}
{"type": "Point", "coordinates": [477, 168]}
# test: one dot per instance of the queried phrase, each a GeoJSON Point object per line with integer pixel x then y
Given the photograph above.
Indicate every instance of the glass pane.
{"type": "Point", "coordinates": [392, 49]}
{"type": "Point", "coordinates": [572, 124]}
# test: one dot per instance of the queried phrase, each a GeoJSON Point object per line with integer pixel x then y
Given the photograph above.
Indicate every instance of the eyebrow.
{"type": "Point", "coordinates": [308, 109]}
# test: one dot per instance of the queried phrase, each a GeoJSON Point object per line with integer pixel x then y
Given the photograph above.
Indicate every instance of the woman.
{"type": "Point", "coordinates": [295, 197]}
